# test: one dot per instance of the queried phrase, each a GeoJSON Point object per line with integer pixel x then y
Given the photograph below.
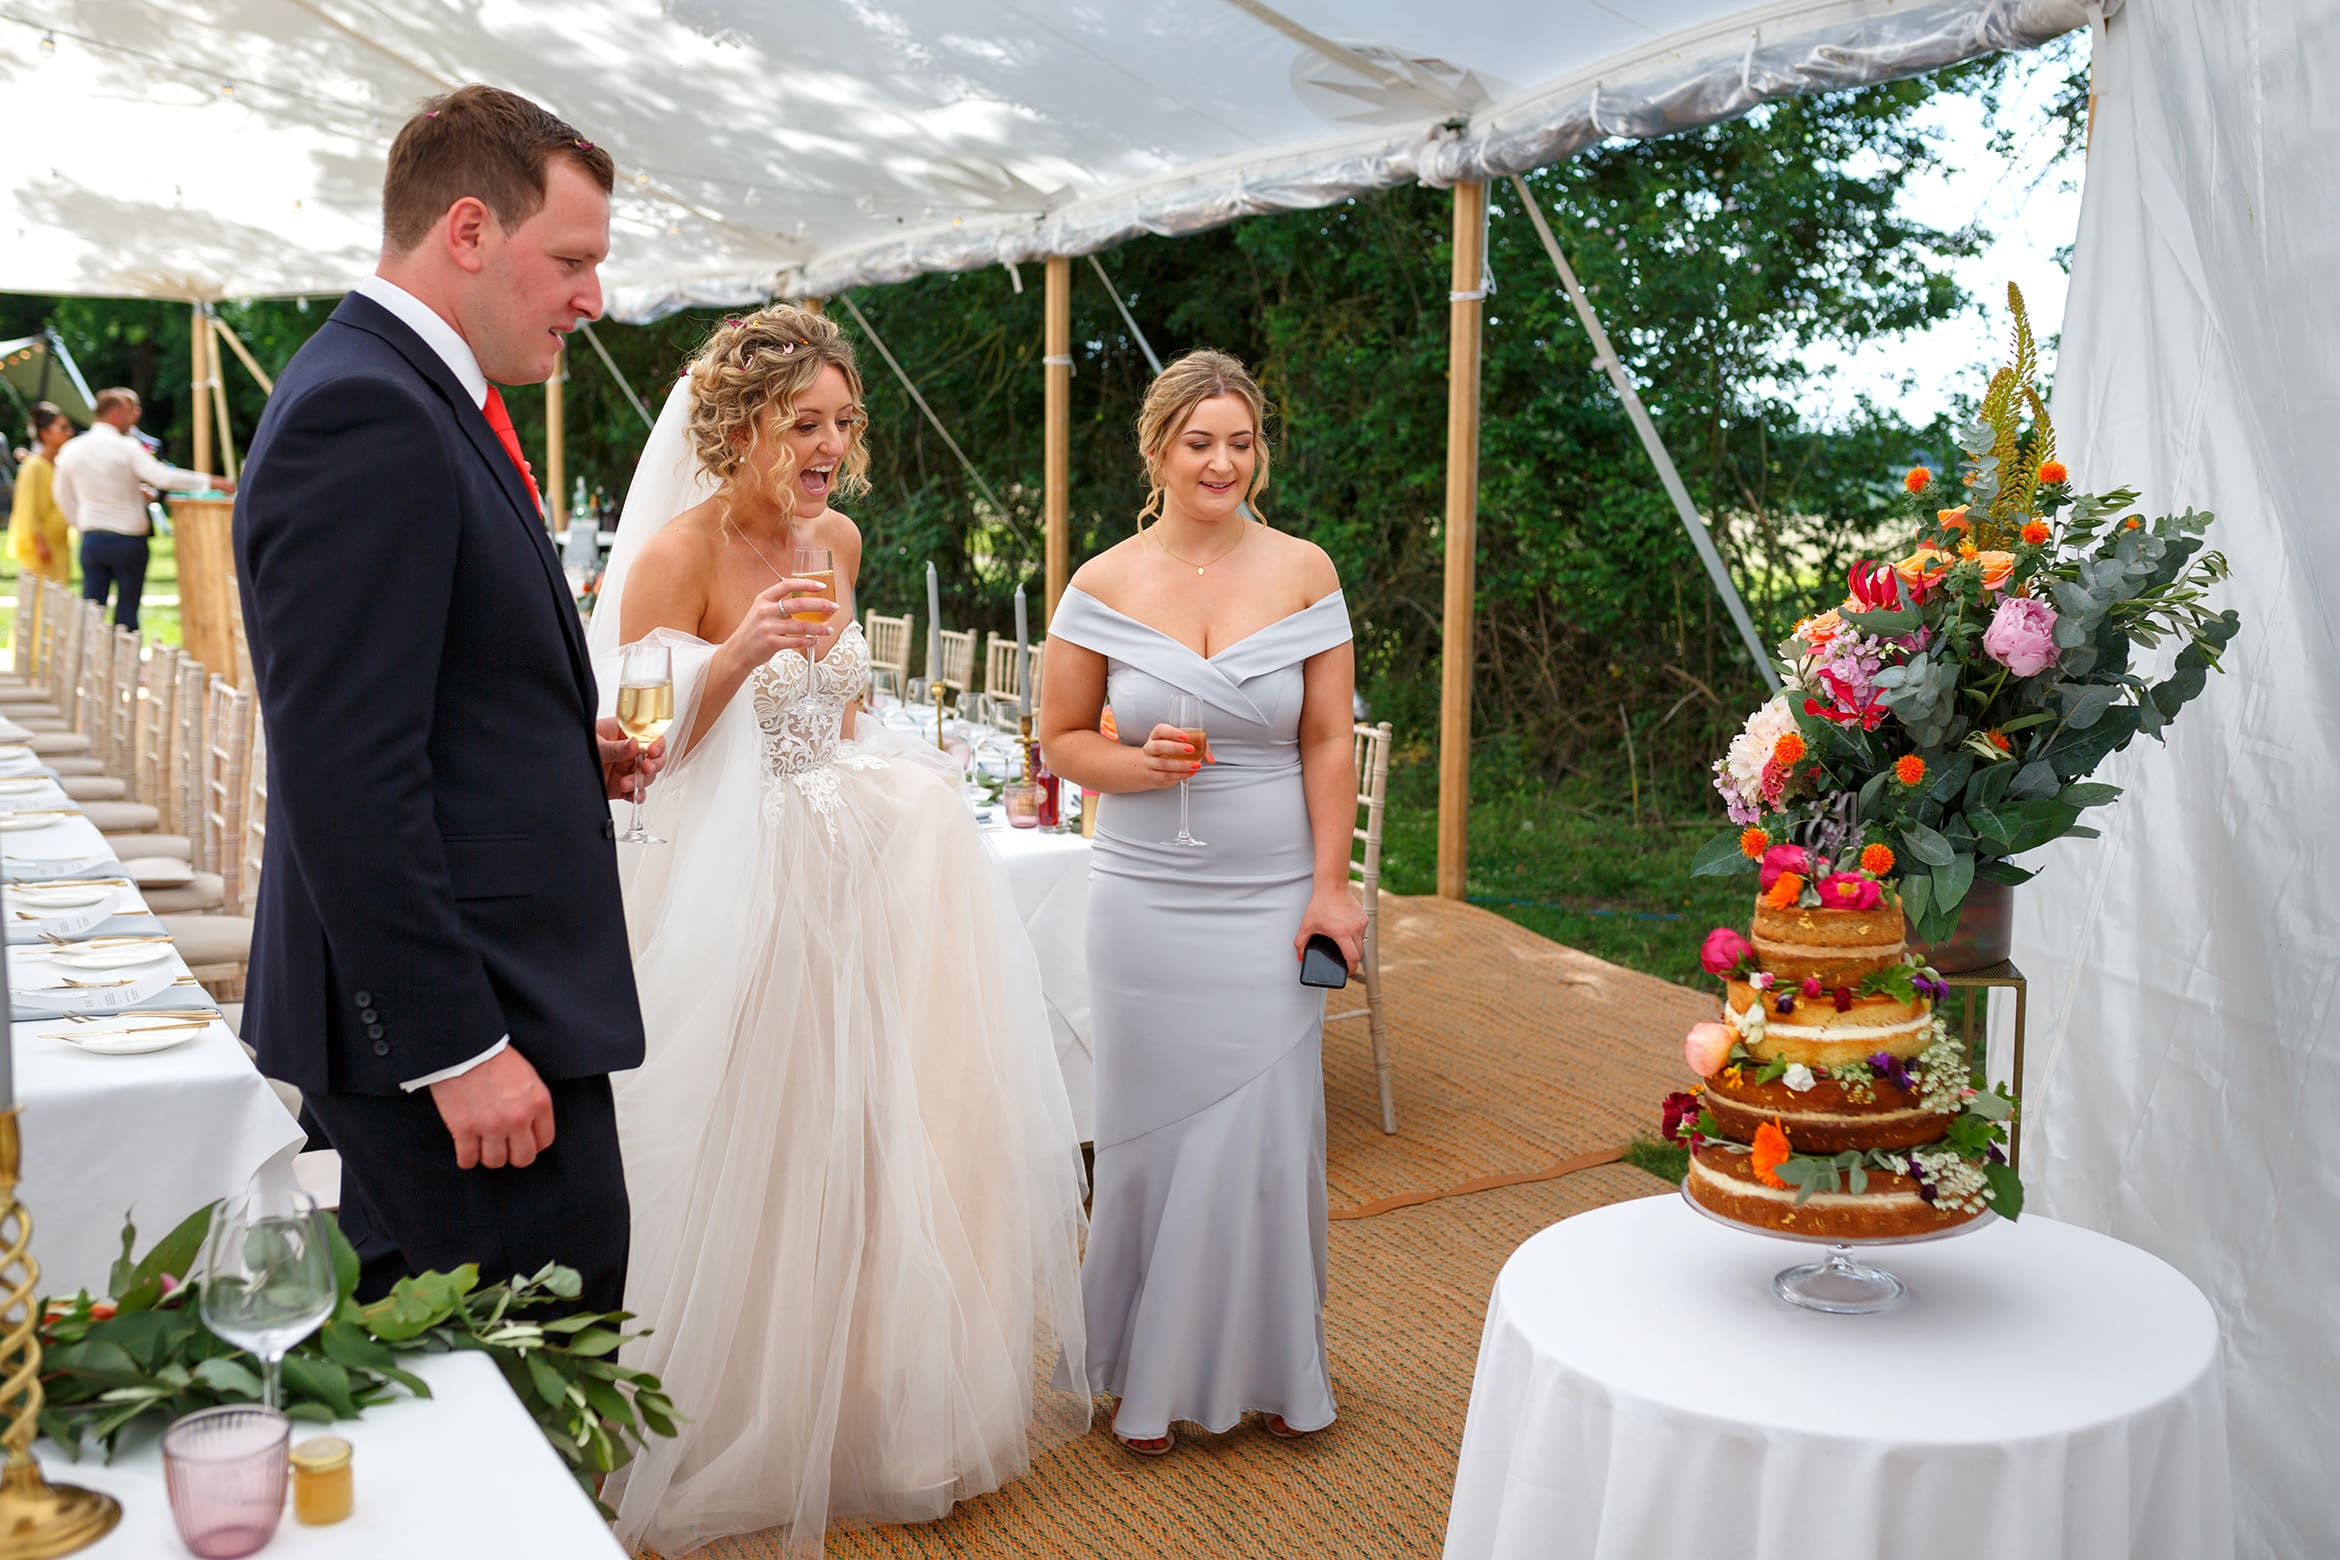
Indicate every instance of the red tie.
{"type": "Point", "coordinates": [501, 421]}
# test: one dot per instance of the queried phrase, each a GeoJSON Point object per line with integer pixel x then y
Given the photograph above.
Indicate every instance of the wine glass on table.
{"type": "Point", "coordinates": [645, 708]}
{"type": "Point", "coordinates": [819, 565]}
{"type": "Point", "coordinates": [267, 1275]}
{"type": "Point", "coordinates": [1186, 713]}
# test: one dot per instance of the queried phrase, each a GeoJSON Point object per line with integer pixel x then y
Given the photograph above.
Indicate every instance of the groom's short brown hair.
{"type": "Point", "coordinates": [479, 141]}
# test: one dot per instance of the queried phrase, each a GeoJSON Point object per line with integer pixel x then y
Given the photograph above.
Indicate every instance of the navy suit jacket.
{"type": "Point", "coordinates": [439, 867]}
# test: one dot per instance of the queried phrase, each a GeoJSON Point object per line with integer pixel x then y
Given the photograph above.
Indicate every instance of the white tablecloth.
{"type": "Point", "coordinates": [462, 1474]}
{"type": "Point", "coordinates": [2046, 1393]}
{"type": "Point", "coordinates": [1048, 877]}
{"type": "Point", "coordinates": [154, 1136]}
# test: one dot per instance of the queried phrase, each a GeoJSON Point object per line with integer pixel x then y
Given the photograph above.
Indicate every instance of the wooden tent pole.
{"type": "Point", "coordinates": [219, 407]}
{"type": "Point", "coordinates": [556, 452]}
{"type": "Point", "coordinates": [199, 384]}
{"type": "Point", "coordinates": [226, 333]}
{"type": "Point", "coordinates": [1464, 314]}
{"type": "Point", "coordinates": [1057, 441]}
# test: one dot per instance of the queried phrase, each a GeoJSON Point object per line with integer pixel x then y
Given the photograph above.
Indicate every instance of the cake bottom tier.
{"type": "Point", "coordinates": [1724, 1182]}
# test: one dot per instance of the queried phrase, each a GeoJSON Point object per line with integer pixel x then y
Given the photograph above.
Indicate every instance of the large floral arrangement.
{"type": "Point", "coordinates": [1945, 716]}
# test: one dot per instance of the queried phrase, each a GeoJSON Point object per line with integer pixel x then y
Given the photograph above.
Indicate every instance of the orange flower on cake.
{"type": "Point", "coordinates": [1771, 1151]}
{"type": "Point", "coordinates": [1876, 860]}
{"type": "Point", "coordinates": [1753, 842]}
{"type": "Point", "coordinates": [1785, 891]}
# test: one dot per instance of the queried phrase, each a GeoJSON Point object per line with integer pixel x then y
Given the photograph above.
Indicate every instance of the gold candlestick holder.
{"type": "Point", "coordinates": [1030, 747]}
{"type": "Point", "coordinates": [37, 1519]}
{"type": "Point", "coordinates": [938, 692]}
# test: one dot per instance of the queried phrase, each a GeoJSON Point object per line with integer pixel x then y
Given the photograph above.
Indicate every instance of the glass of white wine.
{"type": "Point", "coordinates": [819, 565]}
{"type": "Point", "coordinates": [645, 708]}
{"type": "Point", "coordinates": [1186, 713]}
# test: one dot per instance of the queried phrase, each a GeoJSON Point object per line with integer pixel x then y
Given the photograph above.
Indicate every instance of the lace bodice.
{"type": "Point", "coordinates": [800, 711]}
{"type": "Point", "coordinates": [800, 704]}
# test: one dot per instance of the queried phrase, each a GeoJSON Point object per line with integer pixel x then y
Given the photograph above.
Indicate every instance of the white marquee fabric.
{"type": "Point", "coordinates": [233, 148]}
{"type": "Point", "coordinates": [2185, 968]}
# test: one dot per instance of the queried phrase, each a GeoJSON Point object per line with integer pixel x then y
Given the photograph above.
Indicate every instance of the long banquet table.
{"type": "Point", "coordinates": [2045, 1393]}
{"type": "Point", "coordinates": [153, 1136]}
{"type": "Point", "coordinates": [1047, 875]}
{"type": "Point", "coordinates": [464, 1472]}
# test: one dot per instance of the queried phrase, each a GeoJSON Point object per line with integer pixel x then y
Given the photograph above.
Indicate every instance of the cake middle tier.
{"type": "Point", "coordinates": [1815, 1033]}
{"type": "Point", "coordinates": [1827, 1118]}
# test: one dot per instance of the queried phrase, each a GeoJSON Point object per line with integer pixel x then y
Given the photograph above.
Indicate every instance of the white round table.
{"type": "Point", "coordinates": [2047, 1393]}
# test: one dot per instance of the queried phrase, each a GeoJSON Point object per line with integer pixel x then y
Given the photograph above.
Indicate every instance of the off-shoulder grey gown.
{"type": "Point", "coordinates": [1204, 1281]}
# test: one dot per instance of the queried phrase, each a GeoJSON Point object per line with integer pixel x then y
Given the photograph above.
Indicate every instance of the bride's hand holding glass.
{"type": "Point", "coordinates": [771, 625]}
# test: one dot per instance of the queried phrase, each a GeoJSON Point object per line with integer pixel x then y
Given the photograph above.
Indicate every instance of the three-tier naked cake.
{"type": "Point", "coordinates": [1832, 1100]}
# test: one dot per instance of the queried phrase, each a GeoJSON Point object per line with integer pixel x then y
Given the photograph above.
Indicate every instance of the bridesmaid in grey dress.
{"type": "Point", "coordinates": [1204, 1279]}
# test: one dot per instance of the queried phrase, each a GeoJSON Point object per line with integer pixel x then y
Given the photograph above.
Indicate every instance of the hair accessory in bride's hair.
{"type": "Point", "coordinates": [732, 322]}
{"type": "Point", "coordinates": [584, 146]}
{"type": "Point", "coordinates": [787, 347]}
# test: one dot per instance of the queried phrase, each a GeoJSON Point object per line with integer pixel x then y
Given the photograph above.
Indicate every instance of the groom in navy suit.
{"type": "Point", "coordinates": [440, 959]}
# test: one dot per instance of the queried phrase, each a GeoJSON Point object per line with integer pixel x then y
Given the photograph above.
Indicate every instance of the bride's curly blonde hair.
{"type": "Point", "coordinates": [753, 365]}
{"type": "Point", "coordinates": [1170, 401]}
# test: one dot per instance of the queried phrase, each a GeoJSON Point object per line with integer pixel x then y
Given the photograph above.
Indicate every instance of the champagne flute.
{"type": "Point", "coordinates": [819, 565]}
{"type": "Point", "coordinates": [1186, 713]}
{"type": "Point", "coordinates": [645, 708]}
{"type": "Point", "coordinates": [267, 1274]}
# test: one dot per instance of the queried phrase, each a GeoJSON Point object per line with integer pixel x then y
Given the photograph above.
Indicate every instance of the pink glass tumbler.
{"type": "Point", "coordinates": [225, 1470]}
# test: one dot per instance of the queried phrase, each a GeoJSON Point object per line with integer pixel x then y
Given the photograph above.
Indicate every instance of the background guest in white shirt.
{"type": "Point", "coordinates": [102, 478]}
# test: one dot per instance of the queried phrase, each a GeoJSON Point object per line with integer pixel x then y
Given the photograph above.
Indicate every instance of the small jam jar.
{"type": "Point", "coordinates": [321, 1489]}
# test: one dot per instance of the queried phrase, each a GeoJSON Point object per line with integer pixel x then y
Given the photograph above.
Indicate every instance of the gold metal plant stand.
{"type": "Point", "coordinates": [37, 1519]}
{"type": "Point", "coordinates": [1977, 984]}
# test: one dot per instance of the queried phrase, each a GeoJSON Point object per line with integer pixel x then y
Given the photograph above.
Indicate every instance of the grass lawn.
{"type": "Point", "coordinates": [1565, 861]}
{"type": "Point", "coordinates": [157, 618]}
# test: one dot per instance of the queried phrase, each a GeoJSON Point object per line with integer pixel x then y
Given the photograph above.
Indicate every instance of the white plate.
{"type": "Point", "coordinates": [130, 956]}
{"type": "Point", "coordinates": [41, 899]}
{"type": "Point", "coordinates": [127, 1037]}
{"type": "Point", "coordinates": [37, 867]}
{"type": "Point", "coordinates": [20, 823]}
{"type": "Point", "coordinates": [23, 785]}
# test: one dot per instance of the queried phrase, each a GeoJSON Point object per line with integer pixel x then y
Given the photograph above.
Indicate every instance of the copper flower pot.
{"type": "Point", "coordinates": [1985, 934]}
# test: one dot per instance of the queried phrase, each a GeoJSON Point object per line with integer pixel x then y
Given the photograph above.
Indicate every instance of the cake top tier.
{"type": "Point", "coordinates": [1835, 946]}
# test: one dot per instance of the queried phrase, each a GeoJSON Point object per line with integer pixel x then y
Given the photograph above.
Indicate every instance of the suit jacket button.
{"type": "Point", "coordinates": [381, 1048]}
{"type": "Point", "coordinates": [365, 999]}
{"type": "Point", "coordinates": [374, 1032]}
{"type": "Point", "coordinates": [609, 828]}
{"type": "Point", "coordinates": [368, 1016]}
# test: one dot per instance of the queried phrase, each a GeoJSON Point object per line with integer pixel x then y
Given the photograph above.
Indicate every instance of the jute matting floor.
{"type": "Point", "coordinates": [1522, 1068]}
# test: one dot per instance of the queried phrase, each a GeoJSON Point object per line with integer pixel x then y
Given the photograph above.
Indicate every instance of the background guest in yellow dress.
{"type": "Point", "coordinates": [40, 537]}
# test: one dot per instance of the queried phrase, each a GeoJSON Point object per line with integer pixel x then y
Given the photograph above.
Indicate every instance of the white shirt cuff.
{"type": "Point", "coordinates": [456, 1071]}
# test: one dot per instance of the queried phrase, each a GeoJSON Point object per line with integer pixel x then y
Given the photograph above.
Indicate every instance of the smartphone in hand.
{"type": "Point", "coordinates": [1321, 964]}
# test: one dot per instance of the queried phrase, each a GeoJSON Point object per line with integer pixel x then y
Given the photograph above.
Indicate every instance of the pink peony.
{"type": "Point", "coordinates": [1849, 891]}
{"type": "Point", "coordinates": [1708, 1047]}
{"type": "Point", "coordinates": [1724, 951]}
{"type": "Point", "coordinates": [2022, 636]}
{"type": "Point", "coordinates": [1783, 859]}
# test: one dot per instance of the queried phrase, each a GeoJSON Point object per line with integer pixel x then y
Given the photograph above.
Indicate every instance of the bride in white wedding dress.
{"type": "Point", "coordinates": [856, 1186]}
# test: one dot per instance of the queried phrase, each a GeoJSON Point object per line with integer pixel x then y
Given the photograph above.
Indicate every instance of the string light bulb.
{"type": "Point", "coordinates": [227, 89]}
{"type": "Point", "coordinates": [48, 43]}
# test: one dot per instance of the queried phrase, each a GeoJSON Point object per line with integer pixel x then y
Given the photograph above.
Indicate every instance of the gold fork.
{"type": "Point", "coordinates": [205, 1014]}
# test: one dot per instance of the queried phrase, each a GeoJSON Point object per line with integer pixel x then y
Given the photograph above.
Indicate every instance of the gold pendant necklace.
{"type": "Point", "coordinates": [1154, 531]}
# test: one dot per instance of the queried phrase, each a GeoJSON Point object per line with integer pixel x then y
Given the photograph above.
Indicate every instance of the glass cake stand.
{"type": "Point", "coordinates": [1837, 1284]}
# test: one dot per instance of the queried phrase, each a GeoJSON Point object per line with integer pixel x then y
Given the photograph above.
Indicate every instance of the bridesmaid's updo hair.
{"type": "Point", "coordinates": [753, 365]}
{"type": "Point", "coordinates": [1170, 402]}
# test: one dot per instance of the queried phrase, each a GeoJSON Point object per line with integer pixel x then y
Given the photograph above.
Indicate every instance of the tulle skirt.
{"type": "Point", "coordinates": [856, 1188]}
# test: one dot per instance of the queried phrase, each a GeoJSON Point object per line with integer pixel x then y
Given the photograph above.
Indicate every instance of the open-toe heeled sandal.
{"type": "Point", "coordinates": [1146, 1446]}
{"type": "Point", "coordinates": [1276, 1426]}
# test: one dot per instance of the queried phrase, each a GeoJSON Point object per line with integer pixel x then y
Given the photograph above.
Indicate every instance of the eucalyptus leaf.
{"type": "Point", "coordinates": [1925, 845]}
{"type": "Point", "coordinates": [1721, 857]}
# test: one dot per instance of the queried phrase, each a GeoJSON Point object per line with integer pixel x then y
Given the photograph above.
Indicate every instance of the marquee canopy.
{"type": "Point", "coordinates": [207, 149]}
